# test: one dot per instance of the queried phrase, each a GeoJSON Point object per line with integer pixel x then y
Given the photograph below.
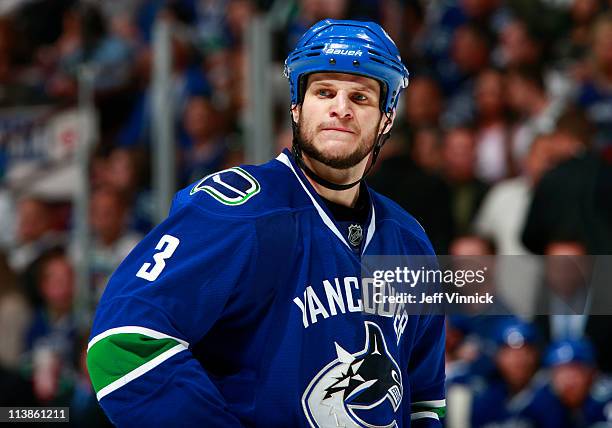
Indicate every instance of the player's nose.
{"type": "Point", "coordinates": [341, 107]}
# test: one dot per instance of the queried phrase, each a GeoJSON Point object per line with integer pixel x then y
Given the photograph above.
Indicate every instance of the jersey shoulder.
{"type": "Point", "coordinates": [388, 211]}
{"type": "Point", "coordinates": [244, 191]}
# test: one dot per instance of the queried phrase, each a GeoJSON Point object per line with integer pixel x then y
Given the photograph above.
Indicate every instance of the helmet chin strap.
{"type": "Point", "coordinates": [380, 141]}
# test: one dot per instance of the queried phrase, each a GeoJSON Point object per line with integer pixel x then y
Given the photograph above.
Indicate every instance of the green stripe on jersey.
{"type": "Point", "coordinates": [440, 411]}
{"type": "Point", "coordinates": [115, 356]}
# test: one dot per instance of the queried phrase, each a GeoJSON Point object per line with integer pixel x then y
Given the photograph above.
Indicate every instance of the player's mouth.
{"type": "Point", "coordinates": [338, 128]}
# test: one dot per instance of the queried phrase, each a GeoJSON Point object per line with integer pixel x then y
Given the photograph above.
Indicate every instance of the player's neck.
{"type": "Point", "coordinates": [347, 197]}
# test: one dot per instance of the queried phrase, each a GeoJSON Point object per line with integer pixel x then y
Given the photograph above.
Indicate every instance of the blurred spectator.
{"type": "Point", "coordinates": [567, 297]}
{"type": "Point", "coordinates": [519, 45]}
{"type": "Point", "coordinates": [572, 136]}
{"type": "Point", "coordinates": [35, 233]}
{"type": "Point", "coordinates": [210, 25]}
{"type": "Point", "coordinates": [516, 362]}
{"type": "Point", "coordinates": [483, 10]}
{"type": "Point", "coordinates": [411, 35]}
{"type": "Point", "coordinates": [9, 89]}
{"type": "Point", "coordinates": [569, 199]}
{"type": "Point", "coordinates": [14, 317]}
{"type": "Point", "coordinates": [51, 337]}
{"type": "Point", "coordinates": [455, 357]}
{"type": "Point", "coordinates": [502, 216]}
{"type": "Point", "coordinates": [463, 352]}
{"type": "Point", "coordinates": [39, 22]}
{"type": "Point", "coordinates": [567, 277]}
{"type": "Point", "coordinates": [472, 245]}
{"type": "Point", "coordinates": [467, 191]}
{"type": "Point", "coordinates": [121, 19]}
{"type": "Point", "coordinates": [399, 178]}
{"type": "Point", "coordinates": [126, 171]}
{"type": "Point", "coordinates": [446, 16]}
{"type": "Point", "coordinates": [98, 166]}
{"type": "Point", "coordinates": [538, 112]}
{"type": "Point", "coordinates": [574, 46]}
{"type": "Point", "coordinates": [577, 395]}
{"type": "Point", "coordinates": [239, 92]}
{"type": "Point", "coordinates": [595, 94]}
{"type": "Point", "coordinates": [112, 241]}
{"type": "Point", "coordinates": [187, 80]}
{"type": "Point", "coordinates": [427, 149]}
{"type": "Point", "coordinates": [85, 37]}
{"type": "Point", "coordinates": [238, 16]}
{"type": "Point", "coordinates": [205, 150]}
{"type": "Point", "coordinates": [493, 144]}
{"type": "Point", "coordinates": [470, 49]}
{"type": "Point", "coordinates": [226, 64]}
{"type": "Point", "coordinates": [219, 68]}
{"type": "Point", "coordinates": [148, 11]}
{"type": "Point", "coordinates": [311, 11]}
{"type": "Point", "coordinates": [423, 102]}
{"type": "Point", "coordinates": [472, 252]}
{"type": "Point", "coordinates": [470, 55]}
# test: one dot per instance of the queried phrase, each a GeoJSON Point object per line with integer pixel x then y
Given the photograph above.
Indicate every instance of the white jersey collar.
{"type": "Point", "coordinates": [286, 159]}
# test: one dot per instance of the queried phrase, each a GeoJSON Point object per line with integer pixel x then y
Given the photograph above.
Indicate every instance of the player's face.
{"type": "Point", "coordinates": [339, 119]}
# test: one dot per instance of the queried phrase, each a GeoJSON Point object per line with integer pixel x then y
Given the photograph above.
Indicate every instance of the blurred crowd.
{"type": "Point", "coordinates": [502, 146]}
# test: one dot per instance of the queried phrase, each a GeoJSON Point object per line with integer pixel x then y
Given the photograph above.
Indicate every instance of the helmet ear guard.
{"type": "Point", "coordinates": [352, 47]}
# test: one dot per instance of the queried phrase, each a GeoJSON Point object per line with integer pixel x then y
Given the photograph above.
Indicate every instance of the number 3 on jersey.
{"type": "Point", "coordinates": [169, 244]}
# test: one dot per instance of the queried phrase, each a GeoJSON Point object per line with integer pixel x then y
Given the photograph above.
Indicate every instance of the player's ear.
{"type": "Point", "coordinates": [295, 112]}
{"type": "Point", "coordinates": [386, 123]}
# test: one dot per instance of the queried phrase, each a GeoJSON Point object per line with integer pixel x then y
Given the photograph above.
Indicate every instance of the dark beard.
{"type": "Point", "coordinates": [311, 151]}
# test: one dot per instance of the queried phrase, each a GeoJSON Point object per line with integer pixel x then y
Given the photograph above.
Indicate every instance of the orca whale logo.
{"type": "Point", "coordinates": [357, 390]}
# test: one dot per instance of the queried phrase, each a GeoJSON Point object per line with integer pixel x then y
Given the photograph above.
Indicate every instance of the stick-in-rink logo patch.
{"type": "Point", "coordinates": [233, 186]}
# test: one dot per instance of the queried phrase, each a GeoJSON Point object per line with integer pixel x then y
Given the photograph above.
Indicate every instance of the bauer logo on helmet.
{"type": "Point", "coordinates": [342, 52]}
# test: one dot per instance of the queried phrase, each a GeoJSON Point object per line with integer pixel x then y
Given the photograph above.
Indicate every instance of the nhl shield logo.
{"type": "Point", "coordinates": [355, 234]}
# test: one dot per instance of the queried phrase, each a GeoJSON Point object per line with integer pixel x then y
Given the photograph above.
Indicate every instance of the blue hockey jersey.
{"type": "Point", "coordinates": [244, 308]}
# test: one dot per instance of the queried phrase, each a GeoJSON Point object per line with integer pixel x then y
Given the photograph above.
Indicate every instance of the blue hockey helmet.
{"type": "Point", "coordinates": [354, 47]}
{"type": "Point", "coordinates": [570, 351]}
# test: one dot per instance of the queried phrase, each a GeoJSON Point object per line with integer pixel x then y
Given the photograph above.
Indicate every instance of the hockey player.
{"type": "Point", "coordinates": [245, 306]}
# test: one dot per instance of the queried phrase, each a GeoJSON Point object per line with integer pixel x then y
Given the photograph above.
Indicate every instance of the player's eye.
{"type": "Point", "coordinates": [360, 98]}
{"type": "Point", "coordinates": [323, 92]}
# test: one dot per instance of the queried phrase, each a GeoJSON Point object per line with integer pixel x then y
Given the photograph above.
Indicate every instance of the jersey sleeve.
{"type": "Point", "coordinates": [162, 300]}
{"type": "Point", "coordinates": [426, 373]}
